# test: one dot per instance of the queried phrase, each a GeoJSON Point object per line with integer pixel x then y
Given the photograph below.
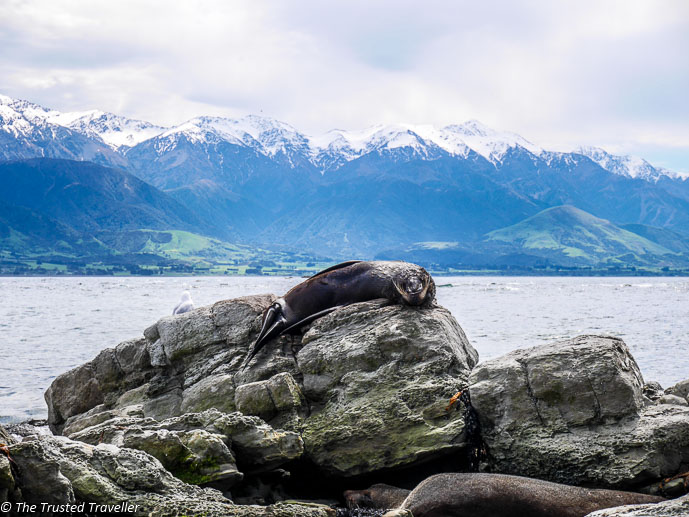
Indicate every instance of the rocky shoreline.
{"type": "Point", "coordinates": [170, 424]}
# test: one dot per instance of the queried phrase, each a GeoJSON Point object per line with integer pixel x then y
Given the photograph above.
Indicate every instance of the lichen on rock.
{"type": "Point", "coordinates": [574, 412]}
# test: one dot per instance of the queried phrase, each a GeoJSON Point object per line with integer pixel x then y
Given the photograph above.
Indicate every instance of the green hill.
{"type": "Point", "coordinates": [568, 235]}
{"type": "Point", "coordinates": [672, 240]}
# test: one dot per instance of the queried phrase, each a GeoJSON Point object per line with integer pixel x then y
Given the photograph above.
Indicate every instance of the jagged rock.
{"type": "Point", "coordinates": [196, 446]}
{"type": "Point", "coordinates": [365, 387]}
{"type": "Point", "coordinates": [653, 390]}
{"type": "Point", "coordinates": [22, 429]}
{"type": "Point", "coordinates": [574, 412]}
{"type": "Point", "coordinates": [61, 471]}
{"type": "Point", "coordinates": [184, 363]}
{"type": "Point", "coordinates": [58, 470]}
{"type": "Point", "coordinates": [681, 389]}
{"type": "Point", "coordinates": [5, 436]}
{"type": "Point", "coordinates": [673, 508]}
{"type": "Point", "coordinates": [267, 399]}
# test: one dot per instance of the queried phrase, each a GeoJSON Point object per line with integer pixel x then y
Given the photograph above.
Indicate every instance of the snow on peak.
{"type": "Point", "coordinates": [269, 135]}
{"type": "Point", "coordinates": [457, 140]}
{"type": "Point", "coordinates": [630, 166]}
{"type": "Point", "coordinates": [327, 151]}
{"type": "Point", "coordinates": [114, 130]}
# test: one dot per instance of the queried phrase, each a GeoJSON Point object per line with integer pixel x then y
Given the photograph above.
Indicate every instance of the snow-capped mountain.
{"type": "Point", "coordinates": [117, 132]}
{"type": "Point", "coordinates": [348, 192]}
{"type": "Point", "coordinates": [36, 127]}
{"type": "Point", "coordinates": [28, 130]}
{"type": "Point", "coordinates": [630, 166]}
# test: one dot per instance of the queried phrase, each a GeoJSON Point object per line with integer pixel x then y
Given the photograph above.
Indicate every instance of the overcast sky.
{"type": "Point", "coordinates": [609, 73]}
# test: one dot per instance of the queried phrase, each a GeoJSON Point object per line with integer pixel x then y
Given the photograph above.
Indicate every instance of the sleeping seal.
{"type": "Point", "coordinates": [340, 285]}
{"type": "Point", "coordinates": [497, 495]}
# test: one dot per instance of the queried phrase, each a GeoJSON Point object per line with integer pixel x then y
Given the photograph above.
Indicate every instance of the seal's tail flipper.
{"type": "Point", "coordinates": [273, 325]}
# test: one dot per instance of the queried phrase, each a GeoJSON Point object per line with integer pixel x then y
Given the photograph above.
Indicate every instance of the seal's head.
{"type": "Point", "coordinates": [415, 286]}
{"type": "Point", "coordinates": [358, 499]}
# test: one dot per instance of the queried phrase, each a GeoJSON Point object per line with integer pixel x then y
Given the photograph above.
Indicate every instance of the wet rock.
{"type": "Point", "coordinates": [574, 412]}
{"type": "Point", "coordinates": [673, 508]}
{"type": "Point", "coordinates": [673, 399]}
{"type": "Point", "coordinates": [365, 387]}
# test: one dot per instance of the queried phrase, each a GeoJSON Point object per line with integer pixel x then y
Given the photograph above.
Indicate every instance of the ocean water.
{"type": "Point", "coordinates": [50, 325]}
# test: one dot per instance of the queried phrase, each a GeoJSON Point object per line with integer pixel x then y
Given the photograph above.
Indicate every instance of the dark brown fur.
{"type": "Point", "coordinates": [379, 495]}
{"type": "Point", "coordinates": [496, 495]}
{"type": "Point", "coordinates": [492, 495]}
{"type": "Point", "coordinates": [340, 285]}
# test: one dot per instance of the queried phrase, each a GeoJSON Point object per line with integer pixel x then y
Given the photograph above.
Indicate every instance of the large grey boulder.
{"type": "Point", "coordinates": [365, 387]}
{"type": "Point", "coordinates": [378, 379]}
{"type": "Point", "coordinates": [57, 470]}
{"type": "Point", "coordinates": [673, 508]}
{"type": "Point", "coordinates": [574, 412]}
{"type": "Point", "coordinates": [201, 447]}
{"type": "Point", "coordinates": [185, 363]}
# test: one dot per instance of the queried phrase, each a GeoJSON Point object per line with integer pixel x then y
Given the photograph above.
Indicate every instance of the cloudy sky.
{"type": "Point", "coordinates": [562, 74]}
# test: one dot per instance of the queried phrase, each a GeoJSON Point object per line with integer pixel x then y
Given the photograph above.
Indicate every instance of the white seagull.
{"type": "Point", "coordinates": [184, 305]}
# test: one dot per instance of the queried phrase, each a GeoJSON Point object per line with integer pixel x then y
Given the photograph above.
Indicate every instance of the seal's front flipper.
{"type": "Point", "coordinates": [273, 324]}
{"type": "Point", "coordinates": [309, 319]}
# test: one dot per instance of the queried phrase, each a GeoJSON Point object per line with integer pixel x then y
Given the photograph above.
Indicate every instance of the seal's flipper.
{"type": "Point", "coordinates": [310, 318]}
{"type": "Point", "coordinates": [273, 324]}
{"type": "Point", "coordinates": [337, 266]}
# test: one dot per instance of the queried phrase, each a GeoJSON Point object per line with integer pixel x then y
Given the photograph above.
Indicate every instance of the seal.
{"type": "Point", "coordinates": [340, 285]}
{"type": "Point", "coordinates": [379, 495]}
{"type": "Point", "coordinates": [496, 495]}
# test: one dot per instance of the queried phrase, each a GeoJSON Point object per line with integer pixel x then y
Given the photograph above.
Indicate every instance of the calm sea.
{"type": "Point", "coordinates": [49, 325]}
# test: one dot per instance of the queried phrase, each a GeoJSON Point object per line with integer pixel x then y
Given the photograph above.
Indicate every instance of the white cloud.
{"type": "Point", "coordinates": [560, 73]}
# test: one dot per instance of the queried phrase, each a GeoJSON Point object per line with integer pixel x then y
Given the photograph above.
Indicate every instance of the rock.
{"type": "Point", "coordinates": [574, 412]}
{"type": "Point", "coordinates": [267, 399]}
{"type": "Point", "coordinates": [62, 471]}
{"type": "Point", "coordinates": [653, 390]}
{"type": "Point", "coordinates": [24, 429]}
{"type": "Point", "coordinates": [681, 389]}
{"type": "Point", "coordinates": [673, 508]}
{"type": "Point", "coordinates": [184, 363]}
{"type": "Point", "coordinates": [5, 436]}
{"type": "Point", "coordinates": [6, 478]}
{"type": "Point", "coordinates": [197, 446]}
{"type": "Point", "coordinates": [365, 387]}
{"type": "Point", "coordinates": [673, 399]}
{"type": "Point", "coordinates": [370, 373]}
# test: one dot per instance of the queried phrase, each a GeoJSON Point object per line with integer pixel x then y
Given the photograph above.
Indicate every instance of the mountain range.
{"type": "Point", "coordinates": [477, 194]}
